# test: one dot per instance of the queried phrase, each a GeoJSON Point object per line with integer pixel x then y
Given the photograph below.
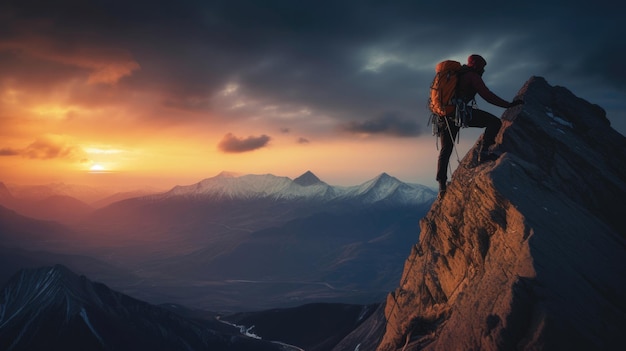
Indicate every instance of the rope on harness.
{"type": "Point", "coordinates": [458, 159]}
{"type": "Point", "coordinates": [433, 120]}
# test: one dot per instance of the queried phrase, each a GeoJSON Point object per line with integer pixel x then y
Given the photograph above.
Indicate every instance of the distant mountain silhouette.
{"type": "Point", "coordinates": [64, 209]}
{"type": "Point", "coordinates": [84, 193]}
{"type": "Point", "coordinates": [61, 208]}
{"type": "Point", "coordinates": [121, 196]}
{"type": "Point", "coordinates": [6, 198]}
{"type": "Point", "coordinates": [26, 232]}
{"type": "Point", "coordinates": [64, 203]}
{"type": "Point", "coordinates": [527, 252]}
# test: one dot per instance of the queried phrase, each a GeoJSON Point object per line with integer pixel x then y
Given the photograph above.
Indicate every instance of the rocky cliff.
{"type": "Point", "coordinates": [526, 252]}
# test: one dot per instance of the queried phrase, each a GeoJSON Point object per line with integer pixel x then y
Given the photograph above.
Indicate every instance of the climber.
{"type": "Point", "coordinates": [469, 83]}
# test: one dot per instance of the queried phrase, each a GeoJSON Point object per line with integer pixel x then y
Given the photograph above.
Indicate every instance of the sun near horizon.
{"type": "Point", "coordinates": [180, 161]}
{"type": "Point", "coordinates": [97, 168]}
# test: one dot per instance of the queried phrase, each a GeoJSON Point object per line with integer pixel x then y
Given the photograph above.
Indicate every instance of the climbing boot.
{"type": "Point", "coordinates": [443, 186]}
{"type": "Point", "coordinates": [484, 157]}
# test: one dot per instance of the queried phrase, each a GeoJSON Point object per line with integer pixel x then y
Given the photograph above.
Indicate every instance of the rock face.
{"type": "Point", "coordinates": [526, 252]}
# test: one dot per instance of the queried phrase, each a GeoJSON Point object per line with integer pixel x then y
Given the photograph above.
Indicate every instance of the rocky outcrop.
{"type": "Point", "coordinates": [526, 252]}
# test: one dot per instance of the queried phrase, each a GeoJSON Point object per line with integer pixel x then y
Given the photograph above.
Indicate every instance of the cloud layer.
{"type": "Point", "coordinates": [47, 147]}
{"type": "Point", "coordinates": [316, 70]}
{"type": "Point", "coordinates": [231, 143]}
{"type": "Point", "coordinates": [350, 60]}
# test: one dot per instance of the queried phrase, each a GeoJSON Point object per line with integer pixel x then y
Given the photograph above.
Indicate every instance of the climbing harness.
{"type": "Point", "coordinates": [461, 119]}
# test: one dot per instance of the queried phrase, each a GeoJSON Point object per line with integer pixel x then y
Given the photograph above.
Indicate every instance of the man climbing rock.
{"type": "Point", "coordinates": [469, 83]}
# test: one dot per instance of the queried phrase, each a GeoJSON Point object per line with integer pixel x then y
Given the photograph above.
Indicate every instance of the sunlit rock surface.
{"type": "Point", "coordinates": [528, 251]}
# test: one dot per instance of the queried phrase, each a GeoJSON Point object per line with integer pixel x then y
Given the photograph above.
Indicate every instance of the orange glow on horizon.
{"type": "Point", "coordinates": [181, 161]}
{"type": "Point", "coordinates": [93, 129]}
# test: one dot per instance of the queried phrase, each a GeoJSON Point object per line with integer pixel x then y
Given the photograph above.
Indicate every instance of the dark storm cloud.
{"type": "Point", "coordinates": [233, 144]}
{"type": "Point", "coordinates": [609, 67]}
{"type": "Point", "coordinates": [351, 61]}
{"type": "Point", "coordinates": [388, 124]}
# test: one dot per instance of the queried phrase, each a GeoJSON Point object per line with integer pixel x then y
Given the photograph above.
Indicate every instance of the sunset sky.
{"type": "Point", "coordinates": [133, 93]}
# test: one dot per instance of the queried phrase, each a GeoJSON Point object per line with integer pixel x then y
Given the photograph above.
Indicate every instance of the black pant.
{"type": "Point", "coordinates": [480, 119]}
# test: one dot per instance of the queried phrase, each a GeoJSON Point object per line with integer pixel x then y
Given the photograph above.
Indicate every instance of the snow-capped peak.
{"type": "Point", "coordinates": [230, 186]}
{"type": "Point", "coordinates": [227, 174]}
{"type": "Point", "coordinates": [379, 188]}
{"type": "Point", "coordinates": [307, 178]}
{"type": "Point", "coordinates": [307, 186]}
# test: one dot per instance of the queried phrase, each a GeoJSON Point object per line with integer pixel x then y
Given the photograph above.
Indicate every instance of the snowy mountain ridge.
{"type": "Point", "coordinates": [306, 187]}
{"type": "Point", "coordinates": [52, 308]}
{"type": "Point", "coordinates": [55, 287]}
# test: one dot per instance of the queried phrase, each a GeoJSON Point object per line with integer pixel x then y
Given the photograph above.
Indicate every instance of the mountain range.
{"type": "Point", "coordinates": [90, 195]}
{"type": "Point", "coordinates": [66, 203]}
{"type": "Point", "coordinates": [58, 202]}
{"type": "Point", "coordinates": [305, 187]}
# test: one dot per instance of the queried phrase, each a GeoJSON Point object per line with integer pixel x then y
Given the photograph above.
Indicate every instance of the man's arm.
{"type": "Point", "coordinates": [486, 94]}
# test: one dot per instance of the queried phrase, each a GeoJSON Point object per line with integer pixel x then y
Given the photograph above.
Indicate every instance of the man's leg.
{"type": "Point", "coordinates": [492, 124]}
{"type": "Point", "coordinates": [446, 137]}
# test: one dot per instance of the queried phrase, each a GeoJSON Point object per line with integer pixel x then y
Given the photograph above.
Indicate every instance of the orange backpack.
{"type": "Point", "coordinates": [443, 89]}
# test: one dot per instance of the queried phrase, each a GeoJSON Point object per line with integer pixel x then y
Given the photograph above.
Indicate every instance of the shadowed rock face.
{"type": "Point", "coordinates": [528, 251]}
